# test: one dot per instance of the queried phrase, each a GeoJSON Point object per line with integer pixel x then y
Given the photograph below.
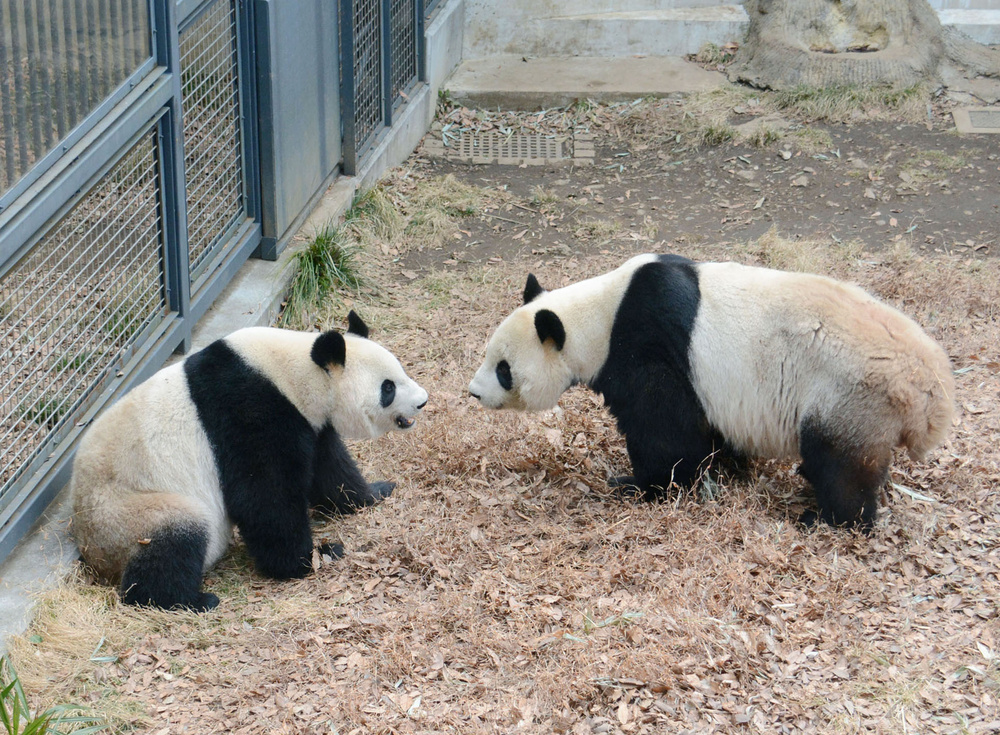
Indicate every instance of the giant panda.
{"type": "Point", "coordinates": [694, 358]}
{"type": "Point", "coordinates": [247, 432]}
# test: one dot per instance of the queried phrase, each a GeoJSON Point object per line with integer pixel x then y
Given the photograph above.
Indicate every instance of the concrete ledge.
{"type": "Point", "coordinates": [514, 82]}
{"type": "Point", "coordinates": [396, 144]}
{"type": "Point", "coordinates": [42, 559]}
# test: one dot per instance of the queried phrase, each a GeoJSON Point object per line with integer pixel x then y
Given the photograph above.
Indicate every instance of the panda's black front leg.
{"type": "Point", "coordinates": [279, 540]}
{"type": "Point", "coordinates": [660, 462]}
{"type": "Point", "coordinates": [338, 484]}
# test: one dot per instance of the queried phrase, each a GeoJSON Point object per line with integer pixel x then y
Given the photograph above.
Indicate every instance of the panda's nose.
{"type": "Point", "coordinates": [421, 405]}
{"type": "Point", "coordinates": [475, 395]}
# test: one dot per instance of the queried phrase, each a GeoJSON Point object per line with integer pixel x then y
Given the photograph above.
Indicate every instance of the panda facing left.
{"type": "Point", "coordinates": [248, 432]}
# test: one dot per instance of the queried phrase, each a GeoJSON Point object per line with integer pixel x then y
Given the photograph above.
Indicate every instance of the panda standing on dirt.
{"type": "Point", "coordinates": [248, 431]}
{"type": "Point", "coordinates": [693, 358]}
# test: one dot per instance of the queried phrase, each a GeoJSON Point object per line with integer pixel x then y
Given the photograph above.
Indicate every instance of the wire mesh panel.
{"type": "Point", "coordinates": [403, 33]}
{"type": "Point", "coordinates": [58, 60]}
{"type": "Point", "coordinates": [212, 144]}
{"type": "Point", "coordinates": [74, 307]}
{"type": "Point", "coordinates": [367, 17]}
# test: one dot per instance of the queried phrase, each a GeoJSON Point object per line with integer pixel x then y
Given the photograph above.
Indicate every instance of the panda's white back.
{"type": "Point", "coordinates": [770, 348]}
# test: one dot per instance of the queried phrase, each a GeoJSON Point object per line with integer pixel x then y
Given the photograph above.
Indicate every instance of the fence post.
{"type": "Point", "coordinates": [173, 193]}
{"type": "Point", "coordinates": [387, 61]}
{"type": "Point", "coordinates": [421, 37]}
{"type": "Point", "coordinates": [347, 87]}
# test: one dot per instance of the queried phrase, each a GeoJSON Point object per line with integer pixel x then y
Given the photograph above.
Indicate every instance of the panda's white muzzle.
{"type": "Point", "coordinates": [405, 422]}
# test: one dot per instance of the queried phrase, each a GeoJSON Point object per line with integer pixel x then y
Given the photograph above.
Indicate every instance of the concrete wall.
{"type": "Point", "coordinates": [597, 27]}
{"type": "Point", "coordinates": [645, 27]}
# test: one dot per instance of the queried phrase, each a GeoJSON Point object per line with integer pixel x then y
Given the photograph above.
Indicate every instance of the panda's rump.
{"type": "Point", "coordinates": [109, 534]}
{"type": "Point", "coordinates": [145, 464]}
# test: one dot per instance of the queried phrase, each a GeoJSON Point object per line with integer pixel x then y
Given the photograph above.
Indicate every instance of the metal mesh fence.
{"type": "Point", "coordinates": [58, 60]}
{"type": "Point", "coordinates": [74, 307]}
{"type": "Point", "coordinates": [403, 32]}
{"type": "Point", "coordinates": [212, 148]}
{"type": "Point", "coordinates": [367, 70]}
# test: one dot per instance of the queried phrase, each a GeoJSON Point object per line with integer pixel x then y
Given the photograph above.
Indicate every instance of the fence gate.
{"type": "Point", "coordinates": [382, 58]}
{"type": "Point", "coordinates": [127, 202]}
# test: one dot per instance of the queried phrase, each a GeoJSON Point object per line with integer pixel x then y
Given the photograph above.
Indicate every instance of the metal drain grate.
{"type": "Point", "coordinates": [517, 149]}
{"type": "Point", "coordinates": [985, 118]}
{"type": "Point", "coordinates": [517, 146]}
{"type": "Point", "coordinates": [977, 119]}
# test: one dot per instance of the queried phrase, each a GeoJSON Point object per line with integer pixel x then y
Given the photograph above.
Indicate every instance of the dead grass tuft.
{"type": "Point", "coordinates": [851, 103]}
{"type": "Point", "coordinates": [433, 210]}
{"type": "Point", "coordinates": [713, 117]}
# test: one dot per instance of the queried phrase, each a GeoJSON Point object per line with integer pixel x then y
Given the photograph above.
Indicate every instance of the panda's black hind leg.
{"type": "Point", "coordinates": [167, 571]}
{"type": "Point", "coordinates": [846, 482]}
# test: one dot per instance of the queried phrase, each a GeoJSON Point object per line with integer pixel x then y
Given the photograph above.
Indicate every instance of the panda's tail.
{"type": "Point", "coordinates": [931, 415]}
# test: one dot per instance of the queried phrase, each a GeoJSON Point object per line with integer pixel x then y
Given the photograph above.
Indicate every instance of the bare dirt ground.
{"type": "Point", "coordinates": [504, 589]}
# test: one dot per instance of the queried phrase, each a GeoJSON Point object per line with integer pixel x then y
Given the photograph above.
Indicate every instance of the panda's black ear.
{"type": "Point", "coordinates": [329, 349]}
{"type": "Point", "coordinates": [550, 326]}
{"type": "Point", "coordinates": [355, 325]}
{"type": "Point", "coordinates": [532, 289]}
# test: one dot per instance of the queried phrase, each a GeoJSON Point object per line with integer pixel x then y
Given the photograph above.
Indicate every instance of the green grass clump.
{"type": "Point", "coordinates": [44, 411]}
{"type": "Point", "coordinates": [543, 198]}
{"type": "Point", "coordinates": [762, 137]}
{"type": "Point", "coordinates": [16, 717]}
{"type": "Point", "coordinates": [327, 264]}
{"type": "Point", "coordinates": [717, 133]}
{"type": "Point", "coordinates": [78, 361]}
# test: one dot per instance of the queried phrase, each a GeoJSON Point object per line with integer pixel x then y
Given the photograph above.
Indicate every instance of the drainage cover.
{"type": "Point", "coordinates": [977, 119]}
{"type": "Point", "coordinates": [515, 149]}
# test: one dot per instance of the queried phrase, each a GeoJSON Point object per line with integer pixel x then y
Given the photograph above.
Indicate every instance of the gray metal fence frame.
{"type": "Point", "coordinates": [150, 99]}
{"type": "Point", "coordinates": [357, 144]}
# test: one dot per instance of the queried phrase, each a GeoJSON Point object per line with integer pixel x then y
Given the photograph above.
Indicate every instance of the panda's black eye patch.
{"type": "Point", "coordinates": [388, 393]}
{"type": "Point", "coordinates": [503, 375]}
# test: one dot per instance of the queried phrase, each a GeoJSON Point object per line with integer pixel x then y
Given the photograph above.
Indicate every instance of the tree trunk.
{"type": "Point", "coordinates": [824, 43]}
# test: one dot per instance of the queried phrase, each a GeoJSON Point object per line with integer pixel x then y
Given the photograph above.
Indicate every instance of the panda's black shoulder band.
{"type": "Point", "coordinates": [329, 349]}
{"type": "Point", "coordinates": [356, 325]}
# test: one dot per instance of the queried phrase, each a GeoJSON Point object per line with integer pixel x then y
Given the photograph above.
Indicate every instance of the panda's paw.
{"type": "Point", "coordinates": [808, 518]}
{"type": "Point", "coordinates": [208, 601]}
{"type": "Point", "coordinates": [626, 487]}
{"type": "Point", "coordinates": [381, 490]}
{"type": "Point", "coordinates": [335, 551]}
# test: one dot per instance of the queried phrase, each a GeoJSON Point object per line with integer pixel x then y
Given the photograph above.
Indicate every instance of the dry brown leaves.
{"type": "Point", "coordinates": [504, 589]}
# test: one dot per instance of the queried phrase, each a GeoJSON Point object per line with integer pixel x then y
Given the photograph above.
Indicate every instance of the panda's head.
{"type": "Point", "coordinates": [374, 395]}
{"type": "Point", "coordinates": [525, 367]}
